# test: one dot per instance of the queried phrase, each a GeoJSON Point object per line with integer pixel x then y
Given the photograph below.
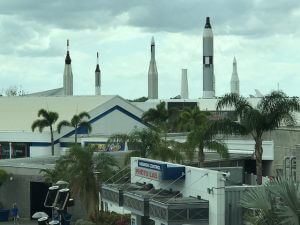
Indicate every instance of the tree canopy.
{"type": "Point", "coordinates": [79, 167]}
{"type": "Point", "coordinates": [272, 111]}
{"type": "Point", "coordinates": [77, 121]}
{"type": "Point", "coordinates": [48, 119]}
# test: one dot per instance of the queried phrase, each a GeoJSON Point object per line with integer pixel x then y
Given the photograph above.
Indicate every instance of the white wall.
{"type": "Point", "coordinates": [41, 151]}
{"type": "Point", "coordinates": [115, 122]}
{"type": "Point", "coordinates": [246, 146]}
{"type": "Point", "coordinates": [196, 183]}
{"type": "Point", "coordinates": [112, 207]}
{"type": "Point", "coordinates": [24, 136]}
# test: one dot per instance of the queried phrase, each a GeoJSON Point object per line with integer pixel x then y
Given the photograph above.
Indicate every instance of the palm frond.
{"type": "Point", "coordinates": [63, 123]}
{"type": "Point", "coordinates": [84, 114]}
{"type": "Point", "coordinates": [220, 147]}
{"type": "Point", "coordinates": [158, 116]}
{"type": "Point", "coordinates": [106, 164]}
{"type": "Point", "coordinates": [277, 107]}
{"type": "Point", "coordinates": [40, 124]}
{"type": "Point", "coordinates": [227, 126]}
{"type": "Point", "coordinates": [288, 207]}
{"type": "Point", "coordinates": [44, 113]}
{"type": "Point", "coordinates": [75, 121]}
{"type": "Point", "coordinates": [239, 103]}
{"type": "Point", "coordinates": [53, 117]}
{"type": "Point", "coordinates": [131, 154]}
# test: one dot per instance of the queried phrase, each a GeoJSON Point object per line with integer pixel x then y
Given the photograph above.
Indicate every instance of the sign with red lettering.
{"type": "Point", "coordinates": [150, 174]}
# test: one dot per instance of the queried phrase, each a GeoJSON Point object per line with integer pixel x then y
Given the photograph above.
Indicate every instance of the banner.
{"type": "Point", "coordinates": [103, 147]}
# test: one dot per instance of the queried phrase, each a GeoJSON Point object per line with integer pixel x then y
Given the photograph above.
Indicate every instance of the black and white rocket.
{"type": "Point", "coordinates": [235, 82]}
{"type": "Point", "coordinates": [97, 78]}
{"type": "Point", "coordinates": [152, 74]}
{"type": "Point", "coordinates": [208, 61]}
{"type": "Point", "coordinates": [68, 75]}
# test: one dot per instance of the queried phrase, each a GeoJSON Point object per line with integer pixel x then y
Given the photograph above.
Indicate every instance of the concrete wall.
{"type": "Point", "coordinates": [285, 141]}
{"type": "Point", "coordinates": [196, 183]}
{"type": "Point", "coordinates": [18, 191]}
{"type": "Point", "coordinates": [43, 151]}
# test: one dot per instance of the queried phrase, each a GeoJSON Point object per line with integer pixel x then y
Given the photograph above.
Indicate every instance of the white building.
{"type": "Point", "coordinates": [109, 114]}
{"type": "Point", "coordinates": [172, 194]}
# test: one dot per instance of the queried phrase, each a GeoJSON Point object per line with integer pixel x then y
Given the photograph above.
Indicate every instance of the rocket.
{"type": "Point", "coordinates": [184, 85]}
{"type": "Point", "coordinates": [68, 75]}
{"type": "Point", "coordinates": [152, 74]}
{"type": "Point", "coordinates": [97, 78]}
{"type": "Point", "coordinates": [235, 82]}
{"type": "Point", "coordinates": [208, 61]}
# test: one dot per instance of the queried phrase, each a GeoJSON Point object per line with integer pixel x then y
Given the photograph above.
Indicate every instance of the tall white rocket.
{"type": "Point", "coordinates": [97, 78]}
{"type": "Point", "coordinates": [184, 85]}
{"type": "Point", "coordinates": [235, 82]}
{"type": "Point", "coordinates": [68, 75]}
{"type": "Point", "coordinates": [208, 61]}
{"type": "Point", "coordinates": [152, 74]}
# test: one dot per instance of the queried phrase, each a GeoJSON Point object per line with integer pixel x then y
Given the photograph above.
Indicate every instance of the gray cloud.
{"type": "Point", "coordinates": [33, 34]}
{"type": "Point", "coordinates": [249, 18]}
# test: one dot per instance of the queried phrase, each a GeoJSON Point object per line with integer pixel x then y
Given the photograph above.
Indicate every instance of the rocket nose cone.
{"type": "Point", "coordinates": [207, 24]}
{"type": "Point", "coordinates": [152, 40]}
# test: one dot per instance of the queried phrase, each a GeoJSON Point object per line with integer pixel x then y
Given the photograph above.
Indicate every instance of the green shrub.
{"type": "Point", "coordinates": [84, 222]}
{"type": "Point", "coordinates": [4, 176]}
{"type": "Point", "coordinates": [112, 218]}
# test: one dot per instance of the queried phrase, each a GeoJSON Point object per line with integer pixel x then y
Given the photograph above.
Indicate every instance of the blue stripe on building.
{"type": "Point", "coordinates": [81, 130]}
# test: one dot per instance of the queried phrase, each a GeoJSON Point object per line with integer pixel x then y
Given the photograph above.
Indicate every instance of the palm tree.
{"type": "Point", "coordinates": [162, 118]}
{"type": "Point", "coordinates": [48, 120]}
{"type": "Point", "coordinates": [78, 168]}
{"type": "Point", "coordinates": [76, 122]}
{"type": "Point", "coordinates": [275, 203]}
{"type": "Point", "coordinates": [157, 117]}
{"type": "Point", "coordinates": [144, 141]}
{"type": "Point", "coordinates": [200, 135]}
{"type": "Point", "coordinates": [148, 143]}
{"type": "Point", "coordinates": [272, 110]}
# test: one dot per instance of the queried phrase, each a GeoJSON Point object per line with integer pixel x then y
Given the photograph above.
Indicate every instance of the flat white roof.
{"type": "Point", "coordinates": [18, 113]}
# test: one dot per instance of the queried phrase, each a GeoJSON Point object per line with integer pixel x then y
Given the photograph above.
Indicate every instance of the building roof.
{"type": "Point", "coordinates": [52, 92]}
{"type": "Point", "coordinates": [32, 163]}
{"type": "Point", "coordinates": [18, 113]}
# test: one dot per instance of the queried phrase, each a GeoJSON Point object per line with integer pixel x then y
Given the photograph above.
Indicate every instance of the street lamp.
{"type": "Point", "coordinates": [96, 174]}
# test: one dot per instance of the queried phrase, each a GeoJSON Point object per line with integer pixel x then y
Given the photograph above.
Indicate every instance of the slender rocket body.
{"type": "Point", "coordinates": [184, 85]}
{"type": "Point", "coordinates": [97, 78]}
{"type": "Point", "coordinates": [152, 74]}
{"type": "Point", "coordinates": [208, 61]}
{"type": "Point", "coordinates": [68, 75]}
{"type": "Point", "coordinates": [235, 82]}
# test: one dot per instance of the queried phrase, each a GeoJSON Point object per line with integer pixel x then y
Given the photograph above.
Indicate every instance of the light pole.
{"type": "Point", "coordinates": [96, 174]}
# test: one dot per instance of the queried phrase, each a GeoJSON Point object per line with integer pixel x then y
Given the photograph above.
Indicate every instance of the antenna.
{"type": "Point", "coordinates": [67, 44]}
{"type": "Point", "coordinates": [97, 58]}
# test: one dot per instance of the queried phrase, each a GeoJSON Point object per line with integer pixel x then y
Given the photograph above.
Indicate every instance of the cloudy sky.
{"type": "Point", "coordinates": [263, 35]}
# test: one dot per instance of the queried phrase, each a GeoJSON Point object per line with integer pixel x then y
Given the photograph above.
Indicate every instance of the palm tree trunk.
{"type": "Point", "coordinates": [75, 135]}
{"type": "Point", "coordinates": [201, 156]}
{"type": "Point", "coordinates": [258, 156]}
{"type": "Point", "coordinates": [52, 141]}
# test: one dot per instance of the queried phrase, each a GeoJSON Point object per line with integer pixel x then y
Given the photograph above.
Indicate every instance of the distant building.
{"type": "Point", "coordinates": [109, 114]}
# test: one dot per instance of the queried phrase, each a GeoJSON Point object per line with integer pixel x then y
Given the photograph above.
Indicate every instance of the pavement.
{"type": "Point", "coordinates": [20, 222]}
